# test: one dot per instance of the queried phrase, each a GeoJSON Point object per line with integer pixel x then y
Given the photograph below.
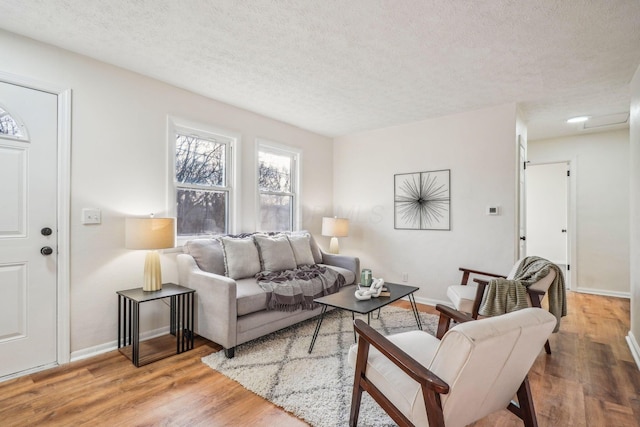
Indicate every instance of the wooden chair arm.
{"type": "Point", "coordinates": [401, 359]}
{"type": "Point", "coordinates": [446, 315]}
{"type": "Point", "coordinates": [536, 292]}
{"type": "Point", "coordinates": [452, 313]}
{"type": "Point", "coordinates": [466, 272]}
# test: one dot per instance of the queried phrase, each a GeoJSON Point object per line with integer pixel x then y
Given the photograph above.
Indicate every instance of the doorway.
{"type": "Point", "coordinates": [547, 214]}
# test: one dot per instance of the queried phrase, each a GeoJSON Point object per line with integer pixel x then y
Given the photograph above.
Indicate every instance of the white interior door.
{"type": "Point", "coordinates": [28, 191]}
{"type": "Point", "coordinates": [547, 203]}
{"type": "Point", "coordinates": [522, 199]}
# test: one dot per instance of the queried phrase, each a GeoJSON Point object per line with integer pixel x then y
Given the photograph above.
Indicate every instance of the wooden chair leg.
{"type": "Point", "coordinates": [524, 409]}
{"type": "Point", "coordinates": [356, 398]}
{"type": "Point", "coordinates": [528, 413]}
{"type": "Point", "coordinates": [361, 366]}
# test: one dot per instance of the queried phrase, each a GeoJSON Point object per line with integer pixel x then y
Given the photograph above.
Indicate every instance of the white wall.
{"type": "Point", "coordinates": [634, 136]}
{"type": "Point", "coordinates": [479, 149]}
{"type": "Point", "coordinates": [601, 168]}
{"type": "Point", "coordinates": [119, 165]}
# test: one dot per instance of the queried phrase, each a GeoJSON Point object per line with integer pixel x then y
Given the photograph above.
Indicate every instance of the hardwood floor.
{"type": "Point", "coordinates": [589, 380]}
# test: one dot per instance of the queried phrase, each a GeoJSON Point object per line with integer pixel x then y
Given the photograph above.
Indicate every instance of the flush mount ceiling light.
{"type": "Point", "coordinates": [578, 119]}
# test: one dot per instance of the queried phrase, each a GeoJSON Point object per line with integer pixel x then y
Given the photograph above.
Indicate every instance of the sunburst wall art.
{"type": "Point", "coordinates": [422, 200]}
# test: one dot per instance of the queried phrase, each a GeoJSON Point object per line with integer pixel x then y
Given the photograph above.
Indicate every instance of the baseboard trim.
{"type": "Point", "coordinates": [634, 347]}
{"type": "Point", "coordinates": [430, 301]}
{"type": "Point", "coordinates": [113, 345]}
{"type": "Point", "coordinates": [28, 371]}
{"type": "Point", "coordinates": [93, 351]}
{"type": "Point", "coordinates": [604, 293]}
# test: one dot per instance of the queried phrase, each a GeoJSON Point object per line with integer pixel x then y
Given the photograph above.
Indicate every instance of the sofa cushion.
{"type": "Point", "coordinates": [250, 297]}
{"type": "Point", "coordinates": [349, 276]}
{"type": "Point", "coordinates": [462, 296]}
{"type": "Point", "coordinates": [207, 253]}
{"type": "Point", "coordinates": [275, 252]}
{"type": "Point", "coordinates": [240, 257]}
{"type": "Point", "coordinates": [301, 246]}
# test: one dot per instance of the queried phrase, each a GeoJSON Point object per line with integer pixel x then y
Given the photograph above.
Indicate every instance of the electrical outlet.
{"type": "Point", "coordinates": [91, 216]}
{"type": "Point", "coordinates": [405, 277]}
{"type": "Point", "coordinates": [493, 210]}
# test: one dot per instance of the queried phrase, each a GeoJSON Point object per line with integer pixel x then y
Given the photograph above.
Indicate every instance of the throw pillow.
{"type": "Point", "coordinates": [240, 257]}
{"type": "Point", "coordinates": [301, 246]}
{"type": "Point", "coordinates": [315, 249]}
{"type": "Point", "coordinates": [207, 253]}
{"type": "Point", "coordinates": [275, 252]}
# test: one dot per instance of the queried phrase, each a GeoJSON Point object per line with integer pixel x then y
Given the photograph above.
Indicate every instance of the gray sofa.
{"type": "Point", "coordinates": [231, 308]}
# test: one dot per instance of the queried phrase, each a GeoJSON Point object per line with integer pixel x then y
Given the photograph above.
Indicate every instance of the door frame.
{"type": "Point", "coordinates": [572, 219]}
{"type": "Point", "coordinates": [63, 331]}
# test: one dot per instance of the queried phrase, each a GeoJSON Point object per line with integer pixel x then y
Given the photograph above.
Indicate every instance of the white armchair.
{"type": "Point", "coordinates": [475, 369]}
{"type": "Point", "coordinates": [467, 297]}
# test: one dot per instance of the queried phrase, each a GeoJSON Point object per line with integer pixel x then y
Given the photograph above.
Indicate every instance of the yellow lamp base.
{"type": "Point", "coordinates": [334, 247]}
{"type": "Point", "coordinates": [152, 272]}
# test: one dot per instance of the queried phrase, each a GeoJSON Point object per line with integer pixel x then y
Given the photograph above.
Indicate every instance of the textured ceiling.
{"type": "Point", "coordinates": [341, 66]}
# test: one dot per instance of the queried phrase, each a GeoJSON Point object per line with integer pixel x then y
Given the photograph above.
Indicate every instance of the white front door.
{"type": "Point", "coordinates": [28, 197]}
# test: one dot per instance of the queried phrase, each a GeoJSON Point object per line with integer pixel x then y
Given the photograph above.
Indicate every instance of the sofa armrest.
{"type": "Point", "coordinates": [216, 305]}
{"type": "Point", "coordinates": [344, 261]}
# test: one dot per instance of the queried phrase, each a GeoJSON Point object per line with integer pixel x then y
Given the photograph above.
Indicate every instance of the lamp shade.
{"type": "Point", "coordinates": [150, 233]}
{"type": "Point", "coordinates": [335, 227]}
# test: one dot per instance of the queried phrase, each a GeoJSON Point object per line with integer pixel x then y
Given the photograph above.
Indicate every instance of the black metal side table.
{"type": "Point", "coordinates": [181, 323]}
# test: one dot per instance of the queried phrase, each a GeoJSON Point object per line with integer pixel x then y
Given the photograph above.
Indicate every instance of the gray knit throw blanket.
{"type": "Point", "coordinates": [290, 290]}
{"type": "Point", "coordinates": [503, 295]}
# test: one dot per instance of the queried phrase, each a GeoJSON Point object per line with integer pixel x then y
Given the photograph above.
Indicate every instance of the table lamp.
{"type": "Point", "coordinates": [150, 233]}
{"type": "Point", "coordinates": [335, 227]}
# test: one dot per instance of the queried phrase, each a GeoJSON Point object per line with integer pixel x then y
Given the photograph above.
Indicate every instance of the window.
{"type": "Point", "coordinates": [202, 180]}
{"type": "Point", "coordinates": [277, 187]}
{"type": "Point", "coordinates": [11, 126]}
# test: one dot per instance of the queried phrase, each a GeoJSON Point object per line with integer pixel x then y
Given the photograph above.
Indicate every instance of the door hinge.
{"type": "Point", "coordinates": [568, 267]}
{"type": "Point", "coordinates": [568, 173]}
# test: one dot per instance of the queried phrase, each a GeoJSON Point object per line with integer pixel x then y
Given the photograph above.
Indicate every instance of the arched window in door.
{"type": "Point", "coordinates": [11, 126]}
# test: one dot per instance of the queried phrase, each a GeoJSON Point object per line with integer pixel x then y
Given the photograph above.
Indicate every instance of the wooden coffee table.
{"type": "Point", "coordinates": [345, 299]}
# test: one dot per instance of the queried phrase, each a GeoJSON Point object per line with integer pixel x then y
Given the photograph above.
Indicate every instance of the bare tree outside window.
{"type": "Point", "coordinates": [202, 198]}
{"type": "Point", "coordinates": [276, 187]}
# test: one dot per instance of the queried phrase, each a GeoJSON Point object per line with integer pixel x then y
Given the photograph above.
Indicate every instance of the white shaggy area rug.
{"type": "Point", "coordinates": [315, 387]}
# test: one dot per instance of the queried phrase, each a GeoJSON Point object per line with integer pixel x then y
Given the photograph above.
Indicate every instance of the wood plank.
{"type": "Point", "coordinates": [590, 379]}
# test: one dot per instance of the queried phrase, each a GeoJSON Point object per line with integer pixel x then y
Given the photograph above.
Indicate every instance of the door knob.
{"type": "Point", "coordinates": [46, 231]}
{"type": "Point", "coordinates": [46, 250]}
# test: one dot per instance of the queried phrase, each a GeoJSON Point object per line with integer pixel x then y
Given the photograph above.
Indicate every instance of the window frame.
{"type": "Point", "coordinates": [230, 186]}
{"type": "Point", "coordinates": [265, 145]}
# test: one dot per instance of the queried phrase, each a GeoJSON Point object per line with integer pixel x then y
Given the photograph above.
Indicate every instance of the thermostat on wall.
{"type": "Point", "coordinates": [493, 210]}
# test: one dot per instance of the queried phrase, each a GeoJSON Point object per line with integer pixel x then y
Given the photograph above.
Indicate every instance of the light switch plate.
{"type": "Point", "coordinates": [91, 216]}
